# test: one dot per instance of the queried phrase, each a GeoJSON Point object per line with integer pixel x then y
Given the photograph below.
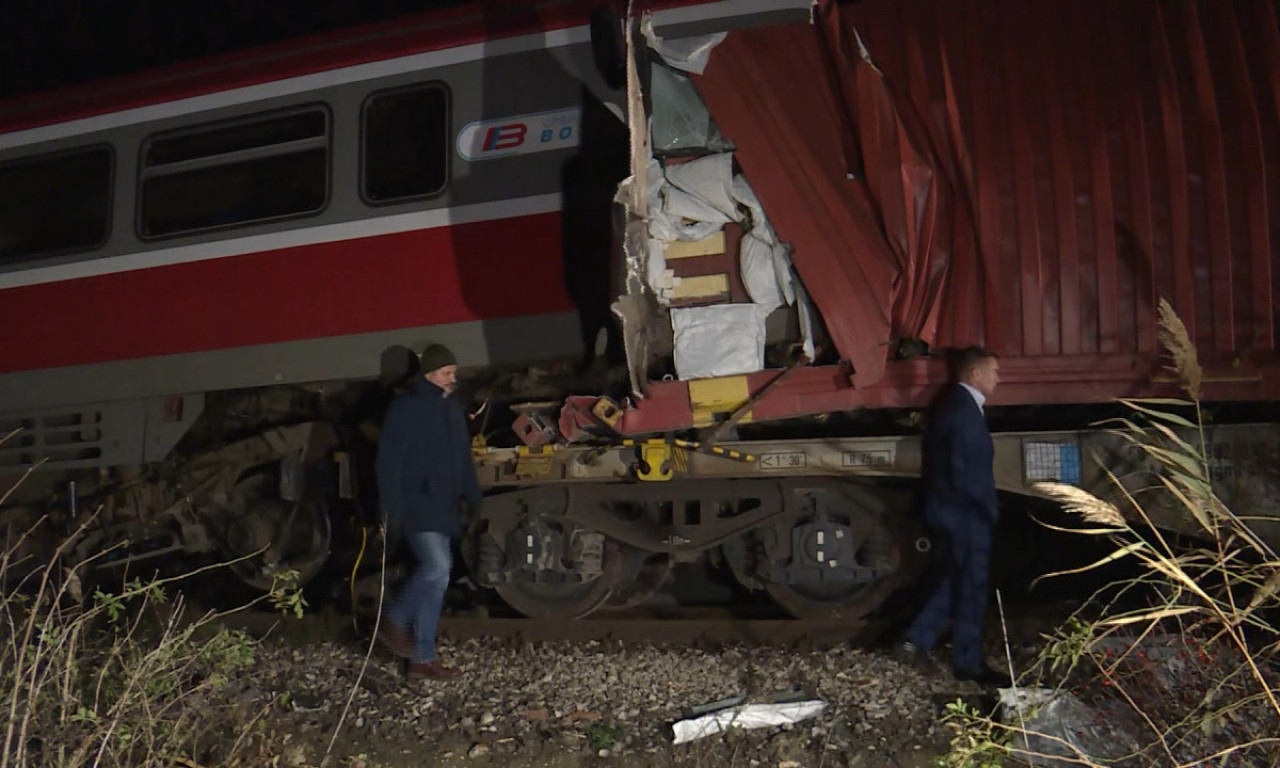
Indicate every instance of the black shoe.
{"type": "Point", "coordinates": [985, 676]}
{"type": "Point", "coordinates": [913, 655]}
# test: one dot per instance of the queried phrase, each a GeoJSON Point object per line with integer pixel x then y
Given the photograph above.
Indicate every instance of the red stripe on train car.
{"type": "Point", "coordinates": [479, 271]}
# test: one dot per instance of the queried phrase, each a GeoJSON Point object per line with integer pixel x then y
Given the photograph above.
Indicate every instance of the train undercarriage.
{"type": "Point", "coordinates": [821, 547]}
{"type": "Point", "coordinates": [283, 501]}
{"type": "Point", "coordinates": [824, 526]}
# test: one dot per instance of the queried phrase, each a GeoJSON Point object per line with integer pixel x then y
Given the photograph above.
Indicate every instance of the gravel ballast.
{"type": "Point", "coordinates": [591, 702]}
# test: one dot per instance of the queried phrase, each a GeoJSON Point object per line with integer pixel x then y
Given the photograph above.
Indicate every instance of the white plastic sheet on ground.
{"type": "Point", "coordinates": [748, 717]}
{"type": "Point", "coordinates": [718, 340]}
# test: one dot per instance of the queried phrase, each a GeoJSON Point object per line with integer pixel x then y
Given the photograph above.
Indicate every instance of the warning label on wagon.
{"type": "Point", "coordinates": [869, 457]}
{"type": "Point", "coordinates": [783, 460]}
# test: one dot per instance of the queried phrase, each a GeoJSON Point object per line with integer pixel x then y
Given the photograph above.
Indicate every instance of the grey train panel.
{"type": "Point", "coordinates": [694, 21]}
{"type": "Point", "coordinates": [102, 434]}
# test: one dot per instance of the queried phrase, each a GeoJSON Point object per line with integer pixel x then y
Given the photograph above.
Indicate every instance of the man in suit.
{"type": "Point", "coordinates": [424, 473]}
{"type": "Point", "coordinates": [960, 506]}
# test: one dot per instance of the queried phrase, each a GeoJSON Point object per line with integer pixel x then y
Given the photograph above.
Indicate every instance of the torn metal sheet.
{"type": "Point", "coordinates": [637, 314]}
{"type": "Point", "coordinates": [767, 92]}
{"type": "Point", "coordinates": [634, 309]}
{"type": "Point", "coordinates": [687, 53]}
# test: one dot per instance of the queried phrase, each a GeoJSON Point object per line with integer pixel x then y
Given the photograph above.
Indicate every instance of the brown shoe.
{"type": "Point", "coordinates": [431, 670]}
{"type": "Point", "coordinates": [395, 639]}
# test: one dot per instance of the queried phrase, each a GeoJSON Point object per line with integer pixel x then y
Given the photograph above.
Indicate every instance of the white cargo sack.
{"type": "Point", "coordinates": [718, 340]}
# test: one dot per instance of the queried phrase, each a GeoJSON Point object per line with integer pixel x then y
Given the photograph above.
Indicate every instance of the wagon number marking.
{"type": "Point", "coordinates": [783, 460]}
{"type": "Point", "coordinates": [534, 465]}
{"type": "Point", "coordinates": [881, 457]}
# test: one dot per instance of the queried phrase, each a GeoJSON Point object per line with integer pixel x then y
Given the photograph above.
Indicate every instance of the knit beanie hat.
{"type": "Point", "coordinates": [437, 356]}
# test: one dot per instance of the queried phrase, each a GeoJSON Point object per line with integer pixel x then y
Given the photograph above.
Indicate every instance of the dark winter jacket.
{"type": "Point", "coordinates": [424, 461]}
{"type": "Point", "coordinates": [960, 483]}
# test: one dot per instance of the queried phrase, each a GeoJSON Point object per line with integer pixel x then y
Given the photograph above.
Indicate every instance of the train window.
{"type": "Point", "coordinates": [248, 171]}
{"type": "Point", "coordinates": [681, 123]}
{"type": "Point", "coordinates": [55, 204]}
{"type": "Point", "coordinates": [406, 143]}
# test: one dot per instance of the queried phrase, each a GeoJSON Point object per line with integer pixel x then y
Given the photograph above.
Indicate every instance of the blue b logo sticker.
{"type": "Point", "coordinates": [520, 134]}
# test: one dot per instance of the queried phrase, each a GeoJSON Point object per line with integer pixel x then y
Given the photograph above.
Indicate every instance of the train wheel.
{"type": "Point", "coordinates": [556, 599]}
{"type": "Point", "coordinates": [815, 588]}
{"type": "Point", "coordinates": [848, 604]}
{"type": "Point", "coordinates": [637, 576]}
{"type": "Point", "coordinates": [276, 537]}
{"type": "Point", "coordinates": [834, 554]}
{"type": "Point", "coordinates": [540, 562]}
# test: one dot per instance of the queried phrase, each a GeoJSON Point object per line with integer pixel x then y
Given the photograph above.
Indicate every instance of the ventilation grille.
{"type": "Point", "coordinates": [56, 439]}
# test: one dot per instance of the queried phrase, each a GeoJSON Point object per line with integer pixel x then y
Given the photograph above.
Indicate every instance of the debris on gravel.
{"type": "Point", "coordinates": [563, 703]}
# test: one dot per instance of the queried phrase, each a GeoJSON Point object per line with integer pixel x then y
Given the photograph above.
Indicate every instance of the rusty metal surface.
{"type": "Point", "coordinates": [1031, 176]}
{"type": "Point", "coordinates": [913, 383]}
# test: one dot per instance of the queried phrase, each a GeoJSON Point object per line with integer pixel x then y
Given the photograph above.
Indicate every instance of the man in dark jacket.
{"type": "Point", "coordinates": [424, 473]}
{"type": "Point", "coordinates": [960, 506]}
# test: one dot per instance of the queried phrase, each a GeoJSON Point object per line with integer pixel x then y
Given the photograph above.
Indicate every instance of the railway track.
{"type": "Point", "coordinates": [718, 626]}
{"type": "Point", "coordinates": [690, 627]}
{"type": "Point", "coordinates": [693, 630]}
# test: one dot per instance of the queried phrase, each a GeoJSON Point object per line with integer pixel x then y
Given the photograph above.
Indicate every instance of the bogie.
{"type": "Point", "coordinates": [823, 547]}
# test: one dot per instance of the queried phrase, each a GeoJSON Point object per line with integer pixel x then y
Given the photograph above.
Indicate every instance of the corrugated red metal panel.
{"type": "Point", "coordinates": [1032, 176]}
{"type": "Point", "coordinates": [770, 78]}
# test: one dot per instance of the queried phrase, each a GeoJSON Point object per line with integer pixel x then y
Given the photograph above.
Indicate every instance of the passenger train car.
{"type": "Point", "coordinates": [229, 242]}
{"type": "Point", "coordinates": [272, 218]}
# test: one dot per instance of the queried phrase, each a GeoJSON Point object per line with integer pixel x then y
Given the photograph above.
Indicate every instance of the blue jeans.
{"type": "Point", "coordinates": [420, 602]}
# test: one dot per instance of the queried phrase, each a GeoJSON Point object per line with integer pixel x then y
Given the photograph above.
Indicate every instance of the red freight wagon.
{"type": "Point", "coordinates": [1032, 177]}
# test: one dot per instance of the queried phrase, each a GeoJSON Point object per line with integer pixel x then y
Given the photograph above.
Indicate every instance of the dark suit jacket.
{"type": "Point", "coordinates": [960, 483]}
{"type": "Point", "coordinates": [424, 461]}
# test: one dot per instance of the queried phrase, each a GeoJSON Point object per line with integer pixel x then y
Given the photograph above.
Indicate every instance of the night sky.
{"type": "Point", "coordinates": [47, 43]}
